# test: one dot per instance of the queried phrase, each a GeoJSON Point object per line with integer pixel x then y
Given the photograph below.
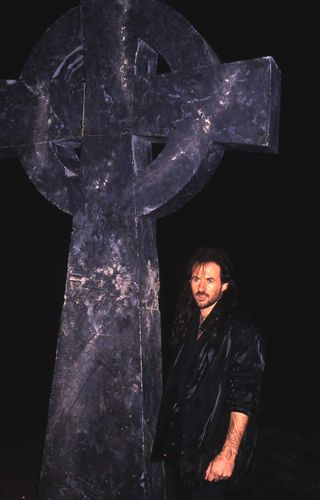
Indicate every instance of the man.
{"type": "Point", "coordinates": [207, 421]}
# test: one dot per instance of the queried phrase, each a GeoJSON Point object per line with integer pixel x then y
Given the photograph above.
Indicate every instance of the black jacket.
{"type": "Point", "coordinates": [210, 378]}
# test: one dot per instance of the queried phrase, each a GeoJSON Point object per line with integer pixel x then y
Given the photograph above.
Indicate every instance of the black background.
{"type": "Point", "coordinates": [262, 208]}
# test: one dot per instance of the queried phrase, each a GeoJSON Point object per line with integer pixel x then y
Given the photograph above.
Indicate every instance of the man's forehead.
{"type": "Point", "coordinates": [205, 268]}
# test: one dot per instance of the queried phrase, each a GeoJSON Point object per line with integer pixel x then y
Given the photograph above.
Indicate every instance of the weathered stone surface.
{"type": "Point", "coordinates": [83, 117]}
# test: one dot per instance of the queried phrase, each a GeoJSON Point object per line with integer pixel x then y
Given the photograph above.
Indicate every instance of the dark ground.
{"type": "Point", "coordinates": [288, 467]}
{"type": "Point", "coordinates": [263, 209]}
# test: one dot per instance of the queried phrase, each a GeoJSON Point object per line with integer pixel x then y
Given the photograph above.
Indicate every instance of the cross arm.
{"type": "Point", "coordinates": [38, 112]}
{"type": "Point", "coordinates": [238, 101]}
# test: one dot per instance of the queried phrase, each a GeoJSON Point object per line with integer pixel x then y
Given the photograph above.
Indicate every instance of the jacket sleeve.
{"type": "Point", "coordinates": [247, 365]}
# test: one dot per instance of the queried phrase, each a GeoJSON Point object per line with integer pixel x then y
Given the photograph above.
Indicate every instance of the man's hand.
{"type": "Point", "coordinates": [221, 467]}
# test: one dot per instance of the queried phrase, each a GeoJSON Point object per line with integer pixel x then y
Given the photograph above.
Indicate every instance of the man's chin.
{"type": "Point", "coordinates": [203, 305]}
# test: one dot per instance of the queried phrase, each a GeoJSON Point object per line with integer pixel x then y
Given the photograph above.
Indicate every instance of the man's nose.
{"type": "Point", "coordinates": [202, 286]}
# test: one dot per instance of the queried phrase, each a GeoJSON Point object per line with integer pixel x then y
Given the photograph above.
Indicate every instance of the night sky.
{"type": "Point", "coordinates": [262, 208]}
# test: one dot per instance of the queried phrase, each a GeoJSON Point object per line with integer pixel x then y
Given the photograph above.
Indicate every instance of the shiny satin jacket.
{"type": "Point", "coordinates": [211, 377]}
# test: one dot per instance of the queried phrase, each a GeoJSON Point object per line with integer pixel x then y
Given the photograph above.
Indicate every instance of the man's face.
{"type": "Point", "coordinates": [206, 286]}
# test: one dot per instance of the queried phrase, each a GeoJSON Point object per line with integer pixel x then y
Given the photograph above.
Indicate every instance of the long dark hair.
{"type": "Point", "coordinates": [185, 304]}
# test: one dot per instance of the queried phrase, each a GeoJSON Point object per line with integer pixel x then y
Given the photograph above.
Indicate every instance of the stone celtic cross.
{"type": "Point", "coordinates": [82, 117]}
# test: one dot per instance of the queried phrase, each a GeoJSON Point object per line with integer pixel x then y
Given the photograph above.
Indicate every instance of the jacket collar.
{"type": "Point", "coordinates": [211, 327]}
